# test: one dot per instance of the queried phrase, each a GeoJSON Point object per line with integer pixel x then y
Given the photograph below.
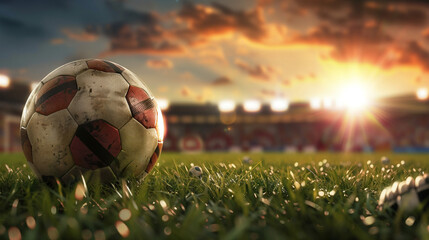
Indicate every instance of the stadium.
{"type": "Point", "coordinates": [248, 119]}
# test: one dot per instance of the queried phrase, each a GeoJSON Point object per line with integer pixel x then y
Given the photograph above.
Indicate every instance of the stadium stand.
{"type": "Point", "coordinates": [398, 124]}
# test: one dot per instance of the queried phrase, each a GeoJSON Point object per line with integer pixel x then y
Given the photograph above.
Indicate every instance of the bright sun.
{"type": "Point", "coordinates": [355, 97]}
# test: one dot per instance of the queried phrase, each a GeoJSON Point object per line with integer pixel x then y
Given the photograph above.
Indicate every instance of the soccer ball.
{"type": "Point", "coordinates": [91, 118]}
{"type": "Point", "coordinates": [247, 160]}
{"type": "Point", "coordinates": [196, 171]}
{"type": "Point", "coordinates": [385, 160]}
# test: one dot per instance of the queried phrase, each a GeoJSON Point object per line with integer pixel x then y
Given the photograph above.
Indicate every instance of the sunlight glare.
{"type": "Point", "coordinates": [355, 97]}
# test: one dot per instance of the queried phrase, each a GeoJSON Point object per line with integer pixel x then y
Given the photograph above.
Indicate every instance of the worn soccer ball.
{"type": "Point", "coordinates": [385, 160]}
{"type": "Point", "coordinates": [196, 171]}
{"type": "Point", "coordinates": [247, 160]}
{"type": "Point", "coordinates": [91, 118]}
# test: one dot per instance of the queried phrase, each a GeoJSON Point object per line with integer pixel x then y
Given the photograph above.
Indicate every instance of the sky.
{"type": "Point", "coordinates": [205, 51]}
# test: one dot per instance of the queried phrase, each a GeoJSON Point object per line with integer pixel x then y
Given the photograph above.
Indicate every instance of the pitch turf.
{"type": "Point", "coordinates": [278, 196]}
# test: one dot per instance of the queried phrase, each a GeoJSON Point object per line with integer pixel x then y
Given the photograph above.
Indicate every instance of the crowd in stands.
{"type": "Point", "coordinates": [407, 133]}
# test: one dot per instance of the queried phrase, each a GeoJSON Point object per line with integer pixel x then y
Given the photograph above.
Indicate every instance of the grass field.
{"type": "Point", "coordinates": [311, 196]}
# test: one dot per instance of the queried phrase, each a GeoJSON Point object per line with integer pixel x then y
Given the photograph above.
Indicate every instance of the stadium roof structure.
{"type": "Point", "coordinates": [393, 107]}
{"type": "Point", "coordinates": [13, 98]}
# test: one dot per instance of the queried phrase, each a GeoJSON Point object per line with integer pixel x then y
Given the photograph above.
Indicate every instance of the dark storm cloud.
{"type": "Point", "coordinates": [193, 24]}
{"type": "Point", "coordinates": [206, 21]}
{"type": "Point", "coordinates": [136, 32]}
{"type": "Point", "coordinates": [415, 55]}
{"type": "Point", "coordinates": [356, 43]}
{"type": "Point", "coordinates": [357, 29]}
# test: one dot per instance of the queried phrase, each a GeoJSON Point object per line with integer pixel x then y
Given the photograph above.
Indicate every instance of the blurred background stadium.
{"type": "Point", "coordinates": [266, 75]}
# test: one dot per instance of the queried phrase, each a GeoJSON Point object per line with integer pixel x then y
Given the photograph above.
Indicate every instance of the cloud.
{"type": "Point", "coordinates": [81, 36]}
{"type": "Point", "coordinates": [135, 32]}
{"type": "Point", "coordinates": [145, 38]}
{"type": "Point", "coordinates": [344, 12]}
{"type": "Point", "coordinates": [357, 43]}
{"type": "Point", "coordinates": [415, 55]}
{"type": "Point", "coordinates": [260, 72]}
{"type": "Point", "coordinates": [203, 22]}
{"type": "Point", "coordinates": [222, 81]}
{"type": "Point", "coordinates": [211, 55]}
{"type": "Point", "coordinates": [159, 63]}
{"type": "Point", "coordinates": [425, 33]}
{"type": "Point", "coordinates": [185, 91]}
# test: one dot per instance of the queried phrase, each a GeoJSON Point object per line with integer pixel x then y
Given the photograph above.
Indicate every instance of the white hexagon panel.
{"type": "Point", "coordinates": [134, 80]}
{"type": "Point", "coordinates": [69, 69]}
{"type": "Point", "coordinates": [138, 146]}
{"type": "Point", "coordinates": [100, 95]}
{"type": "Point", "coordinates": [50, 137]}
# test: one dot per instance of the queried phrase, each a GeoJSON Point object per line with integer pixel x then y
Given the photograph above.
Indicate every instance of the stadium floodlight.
{"type": "Point", "coordinates": [422, 94]}
{"type": "Point", "coordinates": [163, 103]}
{"type": "Point", "coordinates": [252, 106]}
{"type": "Point", "coordinates": [279, 105]}
{"type": "Point", "coordinates": [226, 106]}
{"type": "Point", "coordinates": [315, 103]}
{"type": "Point", "coordinates": [328, 103]}
{"type": "Point", "coordinates": [4, 81]}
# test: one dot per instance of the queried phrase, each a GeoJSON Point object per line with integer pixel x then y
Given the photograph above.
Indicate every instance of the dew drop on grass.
{"type": "Point", "coordinates": [53, 210]}
{"type": "Point", "coordinates": [99, 235]}
{"type": "Point", "coordinates": [122, 229]}
{"type": "Point", "coordinates": [14, 233]}
{"type": "Point", "coordinates": [125, 214]}
{"type": "Point", "coordinates": [31, 222]}
{"type": "Point", "coordinates": [167, 231]}
{"type": "Point", "coordinates": [297, 185]}
{"type": "Point", "coordinates": [410, 221]}
{"type": "Point", "coordinates": [369, 220]}
{"type": "Point", "coordinates": [72, 223]}
{"type": "Point", "coordinates": [53, 233]}
{"type": "Point", "coordinates": [163, 204]}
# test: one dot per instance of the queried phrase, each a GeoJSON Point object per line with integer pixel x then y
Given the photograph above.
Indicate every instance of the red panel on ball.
{"type": "Point", "coordinates": [56, 94]}
{"type": "Point", "coordinates": [104, 66]}
{"type": "Point", "coordinates": [142, 106]}
{"type": "Point", "coordinates": [95, 144]}
{"type": "Point", "coordinates": [26, 145]}
{"type": "Point", "coordinates": [154, 157]}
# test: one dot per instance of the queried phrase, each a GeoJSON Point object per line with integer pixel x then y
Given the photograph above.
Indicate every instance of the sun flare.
{"type": "Point", "coordinates": [355, 97]}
